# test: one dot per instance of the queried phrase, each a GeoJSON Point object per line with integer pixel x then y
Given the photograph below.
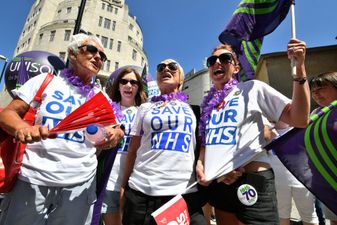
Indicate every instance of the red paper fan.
{"type": "Point", "coordinates": [95, 111]}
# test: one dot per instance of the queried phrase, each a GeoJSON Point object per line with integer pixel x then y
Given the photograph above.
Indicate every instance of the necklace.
{"type": "Point", "coordinates": [87, 90]}
{"type": "Point", "coordinates": [212, 100]}
{"type": "Point", "coordinates": [76, 81]}
{"type": "Point", "coordinates": [181, 96]}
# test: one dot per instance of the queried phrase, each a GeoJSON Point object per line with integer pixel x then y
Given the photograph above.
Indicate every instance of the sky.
{"type": "Point", "coordinates": [187, 30]}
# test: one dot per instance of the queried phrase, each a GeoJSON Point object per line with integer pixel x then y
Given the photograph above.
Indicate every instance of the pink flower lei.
{"type": "Point", "coordinates": [181, 96]}
{"type": "Point", "coordinates": [212, 100]}
{"type": "Point", "coordinates": [87, 90]}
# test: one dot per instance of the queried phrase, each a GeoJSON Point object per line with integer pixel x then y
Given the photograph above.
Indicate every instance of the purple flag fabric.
{"type": "Point", "coordinates": [22, 74]}
{"type": "Point", "coordinates": [310, 154]}
{"type": "Point", "coordinates": [106, 160]}
{"type": "Point", "coordinates": [144, 79]}
{"type": "Point", "coordinates": [251, 21]}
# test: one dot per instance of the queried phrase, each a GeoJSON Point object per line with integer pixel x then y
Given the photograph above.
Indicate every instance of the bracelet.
{"type": "Point", "coordinates": [301, 80]}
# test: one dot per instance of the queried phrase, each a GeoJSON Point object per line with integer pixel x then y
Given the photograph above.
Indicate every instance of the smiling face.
{"type": "Point", "coordinates": [169, 77]}
{"type": "Point", "coordinates": [86, 63]}
{"type": "Point", "coordinates": [128, 88]}
{"type": "Point", "coordinates": [221, 72]}
{"type": "Point", "coordinates": [323, 95]}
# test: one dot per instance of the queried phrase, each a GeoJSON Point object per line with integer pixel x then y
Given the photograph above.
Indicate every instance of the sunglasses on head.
{"type": "Point", "coordinates": [125, 81]}
{"type": "Point", "coordinates": [172, 66]}
{"type": "Point", "coordinates": [93, 50]}
{"type": "Point", "coordinates": [224, 58]}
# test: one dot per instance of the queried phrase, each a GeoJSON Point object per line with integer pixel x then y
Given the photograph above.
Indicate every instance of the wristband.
{"type": "Point", "coordinates": [301, 80]}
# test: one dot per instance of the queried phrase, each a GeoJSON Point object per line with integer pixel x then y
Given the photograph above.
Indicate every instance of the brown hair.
{"type": "Point", "coordinates": [323, 79]}
{"type": "Point", "coordinates": [229, 48]}
{"type": "Point", "coordinates": [114, 93]}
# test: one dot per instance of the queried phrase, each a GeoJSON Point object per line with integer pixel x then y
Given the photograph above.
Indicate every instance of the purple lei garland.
{"type": "Point", "coordinates": [181, 96]}
{"type": "Point", "coordinates": [87, 90]}
{"type": "Point", "coordinates": [212, 100]}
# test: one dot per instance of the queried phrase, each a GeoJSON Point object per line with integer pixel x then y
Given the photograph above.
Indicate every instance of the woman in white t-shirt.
{"type": "Point", "coordinates": [160, 162]}
{"type": "Point", "coordinates": [56, 184]}
{"type": "Point", "coordinates": [126, 88]}
{"type": "Point", "coordinates": [231, 128]}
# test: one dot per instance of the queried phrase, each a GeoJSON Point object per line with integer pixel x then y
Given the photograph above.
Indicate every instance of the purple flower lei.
{"type": "Point", "coordinates": [86, 90]}
{"type": "Point", "coordinates": [212, 100]}
{"type": "Point", "coordinates": [76, 81]}
{"type": "Point", "coordinates": [181, 96]}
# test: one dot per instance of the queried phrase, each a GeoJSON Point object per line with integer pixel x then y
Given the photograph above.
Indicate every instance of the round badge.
{"type": "Point", "coordinates": [247, 194]}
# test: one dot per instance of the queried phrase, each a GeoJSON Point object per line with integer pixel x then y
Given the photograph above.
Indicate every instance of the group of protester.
{"type": "Point", "coordinates": [163, 146]}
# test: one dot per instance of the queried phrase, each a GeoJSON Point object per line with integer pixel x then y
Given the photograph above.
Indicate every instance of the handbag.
{"type": "Point", "coordinates": [11, 151]}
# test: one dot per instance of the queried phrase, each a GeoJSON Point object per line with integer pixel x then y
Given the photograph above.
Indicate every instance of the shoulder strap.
{"type": "Point", "coordinates": [43, 86]}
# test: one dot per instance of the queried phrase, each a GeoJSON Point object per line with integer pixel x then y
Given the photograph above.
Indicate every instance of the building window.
{"type": "Point", "coordinates": [104, 41]}
{"type": "Point", "coordinates": [116, 65]}
{"type": "Point", "coordinates": [111, 43]}
{"type": "Point", "coordinates": [119, 46]}
{"type": "Point", "coordinates": [142, 63]}
{"type": "Point", "coordinates": [62, 55]}
{"type": "Point", "coordinates": [52, 35]}
{"type": "Point", "coordinates": [67, 34]}
{"type": "Point", "coordinates": [116, 11]}
{"type": "Point", "coordinates": [134, 54]}
{"type": "Point", "coordinates": [28, 41]}
{"type": "Point", "coordinates": [100, 21]}
{"type": "Point", "coordinates": [113, 25]}
{"type": "Point", "coordinates": [68, 10]}
{"type": "Point", "coordinates": [107, 23]}
{"type": "Point", "coordinates": [107, 65]}
{"type": "Point", "coordinates": [103, 6]}
{"type": "Point", "coordinates": [131, 26]}
{"type": "Point", "coordinates": [109, 8]}
{"type": "Point", "coordinates": [40, 37]}
{"type": "Point", "coordinates": [59, 11]}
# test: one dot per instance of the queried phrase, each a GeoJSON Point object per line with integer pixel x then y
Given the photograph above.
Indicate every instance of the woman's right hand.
{"type": "Point", "coordinates": [200, 173]}
{"type": "Point", "coordinates": [30, 134]}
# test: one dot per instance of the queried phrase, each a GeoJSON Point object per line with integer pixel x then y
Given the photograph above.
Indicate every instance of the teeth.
{"type": "Point", "coordinates": [218, 71]}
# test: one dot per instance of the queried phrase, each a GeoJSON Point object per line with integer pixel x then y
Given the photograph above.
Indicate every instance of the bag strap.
{"type": "Point", "coordinates": [47, 80]}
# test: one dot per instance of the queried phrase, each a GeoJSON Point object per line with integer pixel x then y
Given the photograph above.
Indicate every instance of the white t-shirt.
{"type": "Point", "coordinates": [117, 171]}
{"type": "Point", "coordinates": [67, 160]}
{"type": "Point", "coordinates": [165, 159]}
{"type": "Point", "coordinates": [234, 133]}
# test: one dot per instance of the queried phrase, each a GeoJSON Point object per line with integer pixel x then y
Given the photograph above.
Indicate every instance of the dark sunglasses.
{"type": "Point", "coordinates": [125, 81]}
{"type": "Point", "coordinates": [224, 58]}
{"type": "Point", "coordinates": [172, 66]}
{"type": "Point", "coordinates": [93, 50]}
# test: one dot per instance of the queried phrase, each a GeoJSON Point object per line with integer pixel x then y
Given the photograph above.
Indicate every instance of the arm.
{"type": "Point", "coordinates": [11, 121]}
{"type": "Point", "coordinates": [296, 113]}
{"type": "Point", "coordinates": [200, 167]}
{"type": "Point", "coordinates": [129, 164]}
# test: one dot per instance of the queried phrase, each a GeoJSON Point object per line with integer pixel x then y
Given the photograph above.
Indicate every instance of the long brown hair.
{"type": "Point", "coordinates": [114, 93]}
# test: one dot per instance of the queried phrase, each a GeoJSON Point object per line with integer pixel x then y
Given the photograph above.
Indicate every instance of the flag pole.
{"type": "Point", "coordinates": [293, 35]}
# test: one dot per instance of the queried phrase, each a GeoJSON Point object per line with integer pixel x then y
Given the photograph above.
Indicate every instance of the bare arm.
{"type": "Point", "coordinates": [11, 121]}
{"type": "Point", "coordinates": [296, 113]}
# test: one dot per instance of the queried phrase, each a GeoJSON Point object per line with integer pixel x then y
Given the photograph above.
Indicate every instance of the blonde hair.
{"type": "Point", "coordinates": [180, 69]}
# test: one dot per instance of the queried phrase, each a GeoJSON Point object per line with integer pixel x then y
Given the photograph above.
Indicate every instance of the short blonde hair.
{"type": "Point", "coordinates": [180, 69]}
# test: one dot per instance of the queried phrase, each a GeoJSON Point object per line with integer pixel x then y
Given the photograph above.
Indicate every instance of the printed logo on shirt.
{"type": "Point", "coordinates": [62, 105]}
{"type": "Point", "coordinates": [129, 116]}
{"type": "Point", "coordinates": [222, 129]}
{"type": "Point", "coordinates": [171, 127]}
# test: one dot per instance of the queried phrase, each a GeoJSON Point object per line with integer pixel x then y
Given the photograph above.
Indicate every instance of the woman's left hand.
{"type": "Point", "coordinates": [115, 135]}
{"type": "Point", "coordinates": [232, 176]}
{"type": "Point", "coordinates": [297, 49]}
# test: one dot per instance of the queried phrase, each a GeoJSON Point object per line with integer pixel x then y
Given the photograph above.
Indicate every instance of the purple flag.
{"type": "Point", "coordinates": [251, 21]}
{"type": "Point", "coordinates": [22, 74]}
{"type": "Point", "coordinates": [310, 154]}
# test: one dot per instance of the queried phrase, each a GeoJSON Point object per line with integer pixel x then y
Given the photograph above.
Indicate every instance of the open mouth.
{"type": "Point", "coordinates": [219, 72]}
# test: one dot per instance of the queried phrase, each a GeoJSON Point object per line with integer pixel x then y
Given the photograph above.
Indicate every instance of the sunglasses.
{"type": "Point", "coordinates": [132, 82]}
{"type": "Point", "coordinates": [93, 50]}
{"type": "Point", "coordinates": [172, 66]}
{"type": "Point", "coordinates": [224, 58]}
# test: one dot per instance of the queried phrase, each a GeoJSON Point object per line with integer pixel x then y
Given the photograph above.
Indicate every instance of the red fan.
{"type": "Point", "coordinates": [95, 111]}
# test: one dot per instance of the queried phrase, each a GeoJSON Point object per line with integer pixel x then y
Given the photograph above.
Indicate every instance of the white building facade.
{"type": "Point", "coordinates": [50, 24]}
